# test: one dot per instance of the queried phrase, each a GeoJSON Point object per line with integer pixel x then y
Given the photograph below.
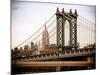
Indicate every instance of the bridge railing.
{"type": "Point", "coordinates": [57, 55]}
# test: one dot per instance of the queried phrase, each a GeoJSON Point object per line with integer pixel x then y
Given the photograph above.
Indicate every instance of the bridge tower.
{"type": "Point", "coordinates": [72, 19]}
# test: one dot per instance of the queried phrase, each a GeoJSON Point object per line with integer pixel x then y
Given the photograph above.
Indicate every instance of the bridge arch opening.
{"type": "Point", "coordinates": [66, 33]}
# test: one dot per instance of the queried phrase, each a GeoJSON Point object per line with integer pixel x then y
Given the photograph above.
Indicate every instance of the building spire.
{"type": "Point", "coordinates": [70, 11]}
{"type": "Point", "coordinates": [45, 24]}
{"type": "Point", "coordinates": [75, 12]}
{"type": "Point", "coordinates": [63, 10]}
{"type": "Point", "coordinates": [57, 11]}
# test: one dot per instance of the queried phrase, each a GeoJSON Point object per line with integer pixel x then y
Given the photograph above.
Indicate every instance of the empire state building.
{"type": "Point", "coordinates": [45, 38]}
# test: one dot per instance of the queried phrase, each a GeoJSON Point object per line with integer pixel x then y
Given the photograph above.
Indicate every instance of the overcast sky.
{"type": "Point", "coordinates": [27, 17]}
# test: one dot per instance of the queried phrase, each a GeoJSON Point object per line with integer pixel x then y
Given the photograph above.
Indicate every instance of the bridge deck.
{"type": "Point", "coordinates": [53, 63]}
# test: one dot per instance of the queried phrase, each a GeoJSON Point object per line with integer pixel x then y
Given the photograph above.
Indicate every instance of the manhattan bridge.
{"type": "Point", "coordinates": [65, 42]}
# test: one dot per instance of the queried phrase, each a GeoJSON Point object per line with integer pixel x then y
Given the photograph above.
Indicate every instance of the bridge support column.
{"type": "Point", "coordinates": [90, 59]}
{"type": "Point", "coordinates": [58, 68]}
{"type": "Point", "coordinates": [68, 67]}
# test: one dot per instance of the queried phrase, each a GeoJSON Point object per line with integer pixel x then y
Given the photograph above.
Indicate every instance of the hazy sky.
{"type": "Point", "coordinates": [27, 17]}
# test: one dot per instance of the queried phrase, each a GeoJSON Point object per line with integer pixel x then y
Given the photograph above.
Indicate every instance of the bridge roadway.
{"type": "Point", "coordinates": [53, 63]}
{"type": "Point", "coordinates": [56, 55]}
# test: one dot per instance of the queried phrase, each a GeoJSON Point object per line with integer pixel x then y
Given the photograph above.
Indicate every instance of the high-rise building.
{"type": "Point", "coordinates": [45, 38]}
{"type": "Point", "coordinates": [32, 45]}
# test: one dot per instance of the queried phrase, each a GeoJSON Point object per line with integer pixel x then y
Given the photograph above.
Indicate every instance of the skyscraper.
{"type": "Point", "coordinates": [45, 38]}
